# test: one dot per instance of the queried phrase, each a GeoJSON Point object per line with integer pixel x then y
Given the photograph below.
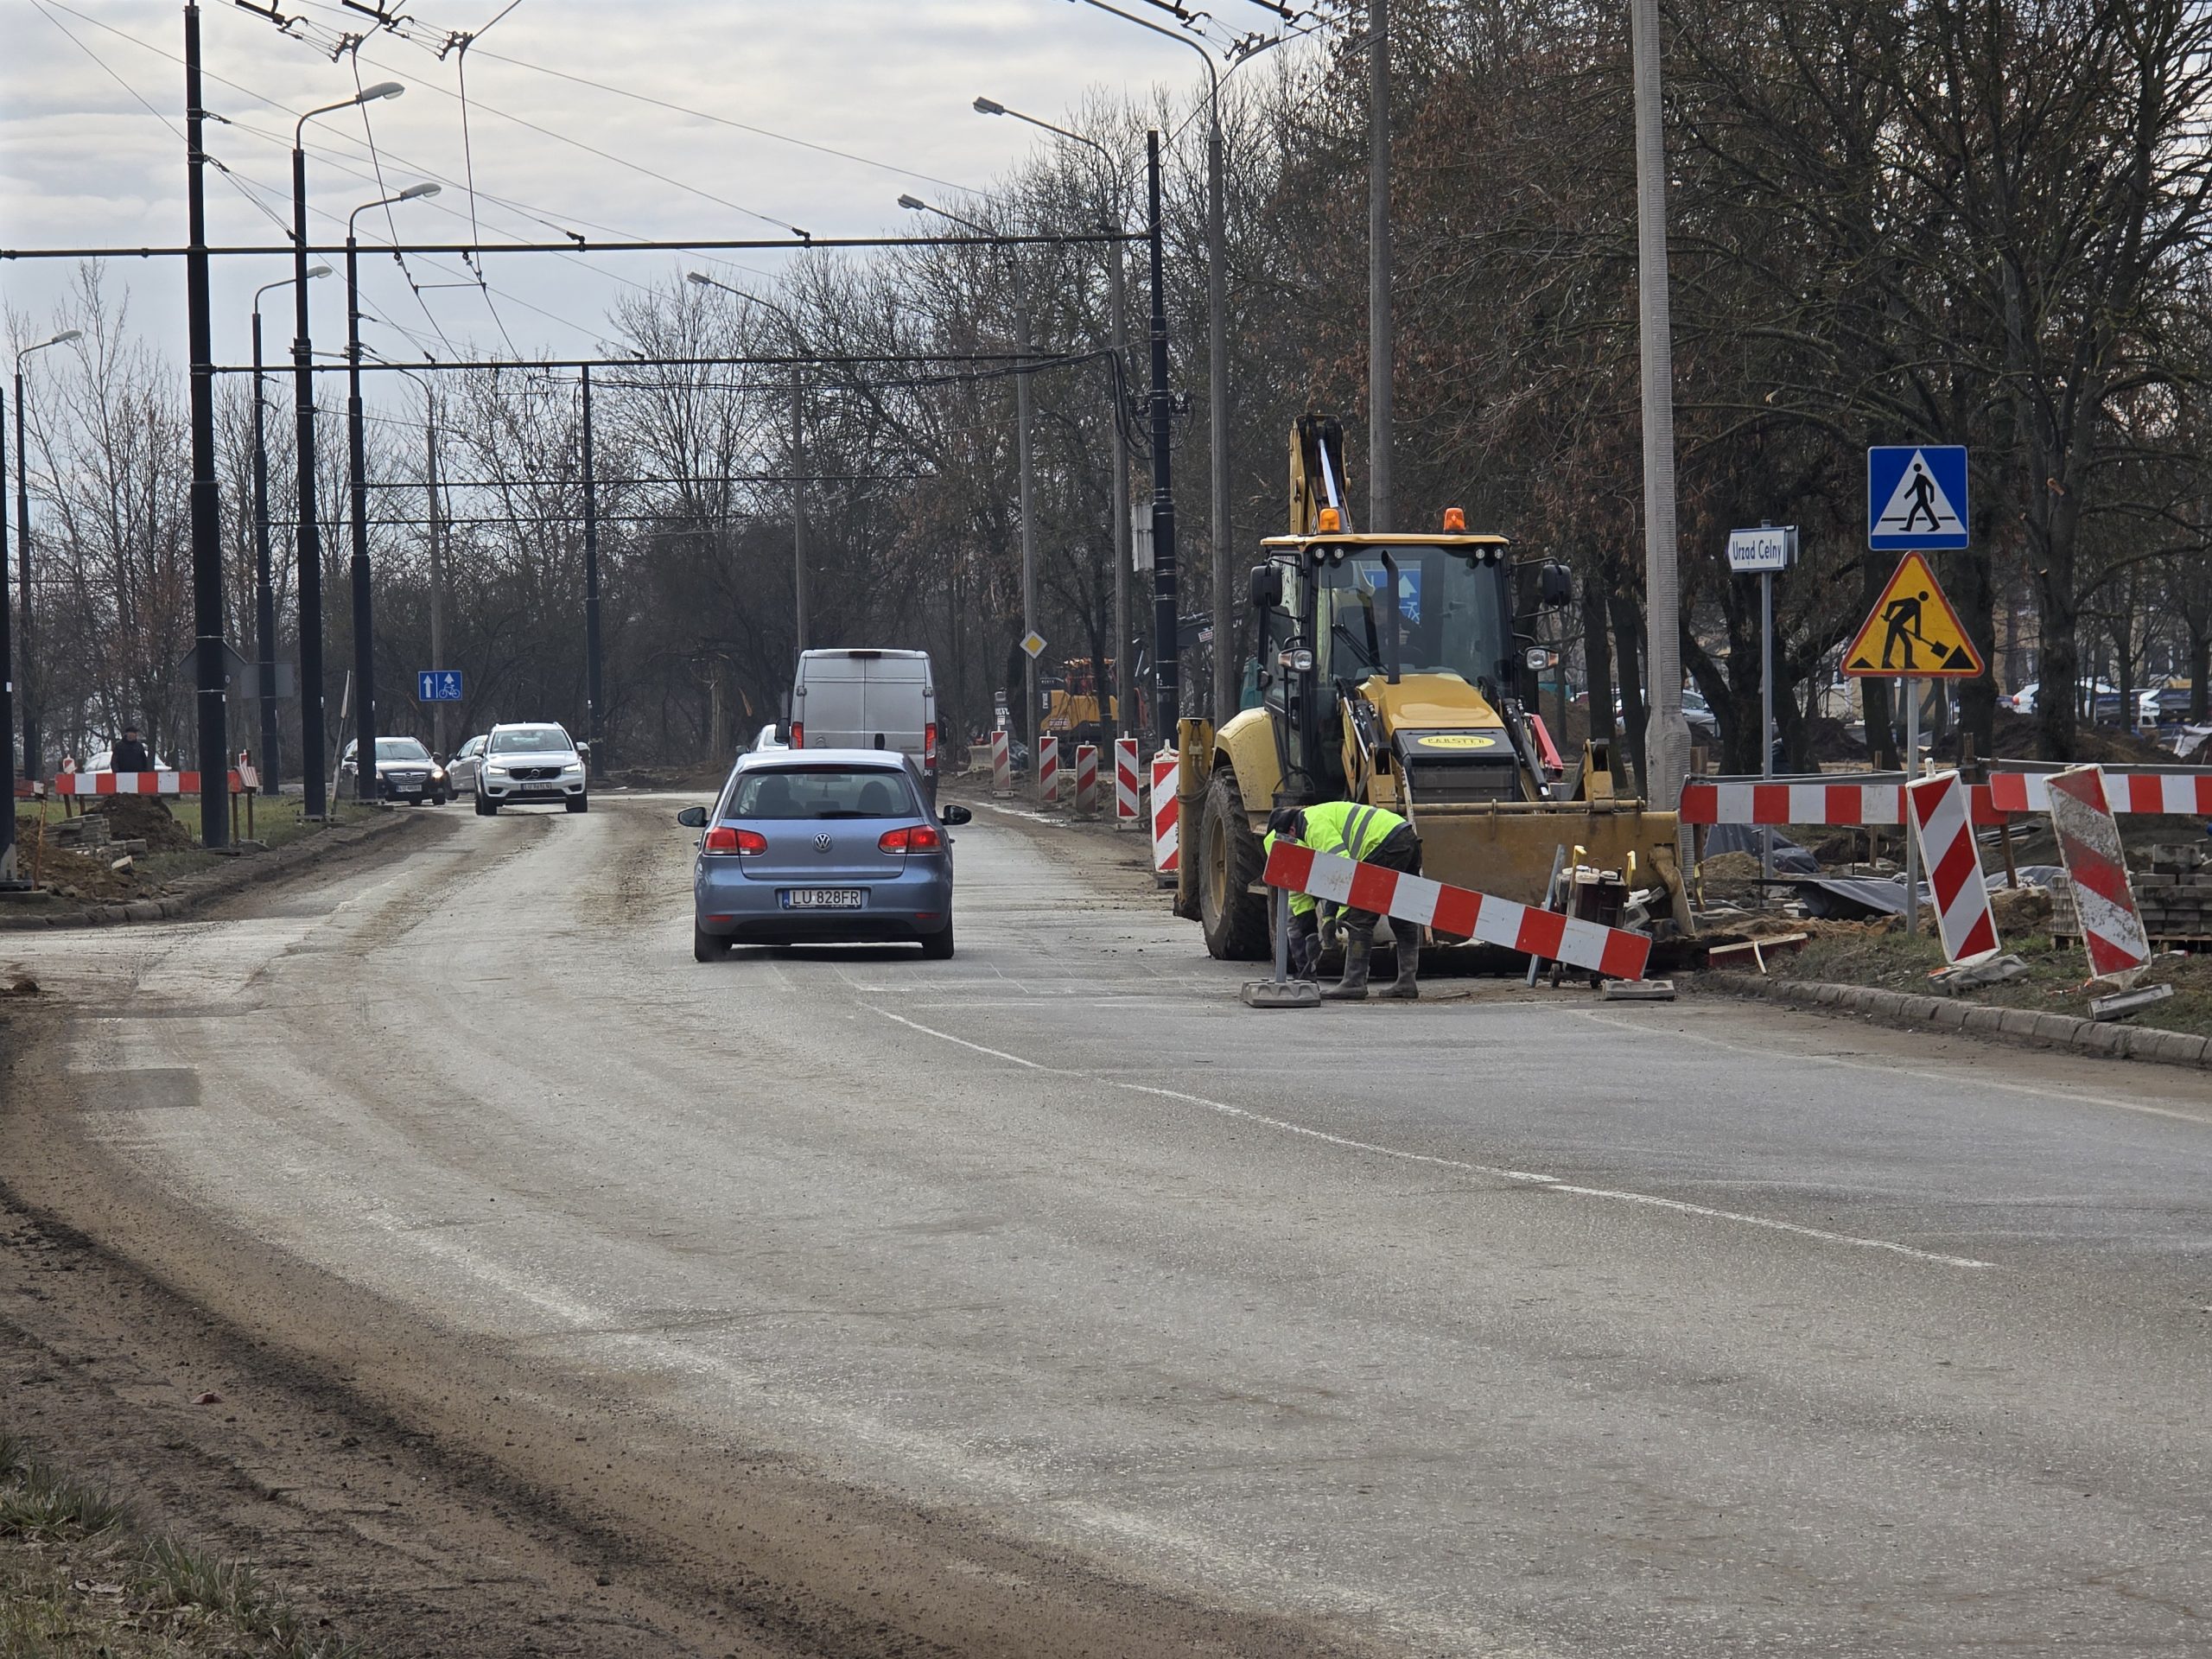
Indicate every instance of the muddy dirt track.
{"type": "Point", "coordinates": [566, 1296]}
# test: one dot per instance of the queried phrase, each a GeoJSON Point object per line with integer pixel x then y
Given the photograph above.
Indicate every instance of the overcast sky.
{"type": "Point", "coordinates": [84, 162]}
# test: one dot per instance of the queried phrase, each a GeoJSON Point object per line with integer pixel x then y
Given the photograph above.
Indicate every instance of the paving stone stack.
{"type": "Point", "coordinates": [2174, 894]}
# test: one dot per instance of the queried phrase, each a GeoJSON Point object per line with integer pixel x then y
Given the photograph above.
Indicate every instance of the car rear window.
{"type": "Point", "coordinates": [822, 793]}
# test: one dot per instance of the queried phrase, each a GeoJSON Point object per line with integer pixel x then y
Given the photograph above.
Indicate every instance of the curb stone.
{"type": "Point", "coordinates": [2028, 1025]}
{"type": "Point", "coordinates": [233, 876]}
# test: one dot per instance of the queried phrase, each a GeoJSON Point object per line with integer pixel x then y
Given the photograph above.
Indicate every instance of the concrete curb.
{"type": "Point", "coordinates": [234, 875]}
{"type": "Point", "coordinates": [2012, 1026]}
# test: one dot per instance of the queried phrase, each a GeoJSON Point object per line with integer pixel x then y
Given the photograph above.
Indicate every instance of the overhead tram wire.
{"type": "Point", "coordinates": [247, 185]}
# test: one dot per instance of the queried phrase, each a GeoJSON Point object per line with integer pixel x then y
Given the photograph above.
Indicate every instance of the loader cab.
{"type": "Point", "coordinates": [1392, 634]}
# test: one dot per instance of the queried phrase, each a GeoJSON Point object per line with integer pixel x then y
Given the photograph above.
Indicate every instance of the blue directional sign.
{"type": "Point", "coordinates": [1916, 497]}
{"type": "Point", "coordinates": [438, 685]}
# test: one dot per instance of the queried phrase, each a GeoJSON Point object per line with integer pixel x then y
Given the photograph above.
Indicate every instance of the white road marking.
{"type": "Point", "coordinates": [2073, 1096]}
{"type": "Point", "coordinates": [1529, 1178]}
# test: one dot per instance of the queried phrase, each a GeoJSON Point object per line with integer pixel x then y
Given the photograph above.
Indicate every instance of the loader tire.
{"type": "Point", "coordinates": [1229, 860]}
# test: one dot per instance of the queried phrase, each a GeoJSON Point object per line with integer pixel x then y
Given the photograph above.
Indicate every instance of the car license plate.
{"type": "Point", "coordinates": [823, 898]}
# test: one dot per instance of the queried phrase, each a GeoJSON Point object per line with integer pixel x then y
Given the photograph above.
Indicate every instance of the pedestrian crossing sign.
{"type": "Point", "coordinates": [1913, 630]}
{"type": "Point", "coordinates": [1916, 497]}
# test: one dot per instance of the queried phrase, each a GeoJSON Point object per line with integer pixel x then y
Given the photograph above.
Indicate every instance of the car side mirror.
{"type": "Point", "coordinates": [693, 817]}
{"type": "Point", "coordinates": [955, 816]}
{"type": "Point", "coordinates": [437, 760]}
{"type": "Point", "coordinates": [1266, 587]}
{"type": "Point", "coordinates": [1554, 585]}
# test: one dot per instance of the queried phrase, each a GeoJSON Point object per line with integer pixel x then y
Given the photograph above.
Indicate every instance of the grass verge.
{"type": "Point", "coordinates": [2056, 981]}
{"type": "Point", "coordinates": [80, 1577]}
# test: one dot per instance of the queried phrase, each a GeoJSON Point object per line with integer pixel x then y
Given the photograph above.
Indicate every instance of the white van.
{"type": "Point", "coordinates": [867, 700]}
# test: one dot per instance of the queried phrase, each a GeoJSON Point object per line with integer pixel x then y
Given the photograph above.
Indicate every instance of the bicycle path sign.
{"type": "Point", "coordinates": [437, 685]}
{"type": "Point", "coordinates": [1917, 497]}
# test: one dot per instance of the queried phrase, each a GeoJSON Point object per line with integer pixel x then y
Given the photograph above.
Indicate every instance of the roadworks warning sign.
{"type": "Point", "coordinates": [1913, 630]}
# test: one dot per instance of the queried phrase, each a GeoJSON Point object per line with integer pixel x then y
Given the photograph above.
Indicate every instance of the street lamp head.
{"type": "Point", "coordinates": [382, 89]}
{"type": "Point", "coordinates": [314, 271]}
{"type": "Point", "coordinates": [418, 192]}
{"type": "Point", "coordinates": [66, 336]}
{"type": "Point", "coordinates": [700, 278]}
{"type": "Point", "coordinates": [989, 106]}
{"type": "Point", "coordinates": [913, 204]}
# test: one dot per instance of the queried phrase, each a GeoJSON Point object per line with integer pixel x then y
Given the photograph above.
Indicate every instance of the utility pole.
{"type": "Point", "coordinates": [592, 700]}
{"type": "Point", "coordinates": [1382, 362]}
{"type": "Point", "coordinates": [1124, 666]}
{"type": "Point", "coordinates": [265, 589]}
{"type": "Point", "coordinates": [364, 655]}
{"type": "Point", "coordinates": [1666, 735]}
{"type": "Point", "coordinates": [1029, 721]}
{"type": "Point", "coordinates": [1224, 533]}
{"type": "Point", "coordinates": [207, 513]}
{"type": "Point", "coordinates": [438, 566]}
{"type": "Point", "coordinates": [1165, 657]}
{"type": "Point", "coordinates": [10, 882]}
{"type": "Point", "coordinates": [799, 619]}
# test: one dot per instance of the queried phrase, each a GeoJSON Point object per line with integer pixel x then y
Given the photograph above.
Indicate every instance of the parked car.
{"type": "Point", "coordinates": [768, 738]}
{"type": "Point", "coordinates": [405, 771]}
{"type": "Point", "coordinates": [531, 763]}
{"type": "Point", "coordinates": [867, 700]}
{"type": "Point", "coordinates": [2104, 700]}
{"type": "Point", "coordinates": [467, 761]}
{"type": "Point", "coordinates": [837, 845]}
{"type": "Point", "coordinates": [103, 760]}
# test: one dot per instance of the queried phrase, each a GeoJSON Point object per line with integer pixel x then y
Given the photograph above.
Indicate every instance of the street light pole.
{"type": "Point", "coordinates": [1124, 669]}
{"type": "Point", "coordinates": [265, 606]}
{"type": "Point", "coordinates": [206, 517]}
{"type": "Point", "coordinates": [1224, 536]}
{"type": "Point", "coordinates": [1166, 661]}
{"type": "Point", "coordinates": [315, 799]}
{"type": "Point", "coordinates": [799, 442]}
{"type": "Point", "coordinates": [1666, 735]}
{"type": "Point", "coordinates": [1382, 357]}
{"type": "Point", "coordinates": [364, 661]}
{"type": "Point", "coordinates": [34, 749]}
{"type": "Point", "coordinates": [592, 696]}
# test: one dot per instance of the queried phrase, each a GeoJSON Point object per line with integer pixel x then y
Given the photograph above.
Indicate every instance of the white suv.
{"type": "Point", "coordinates": [525, 763]}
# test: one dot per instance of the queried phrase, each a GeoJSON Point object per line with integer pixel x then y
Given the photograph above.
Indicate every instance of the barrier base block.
{"type": "Point", "coordinates": [1280, 994]}
{"type": "Point", "coordinates": [1639, 991]}
{"type": "Point", "coordinates": [2126, 1003]}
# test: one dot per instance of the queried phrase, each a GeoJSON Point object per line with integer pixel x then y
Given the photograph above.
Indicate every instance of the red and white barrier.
{"type": "Point", "coordinates": [1848, 801]}
{"type": "Point", "coordinates": [29, 789]}
{"type": "Point", "coordinates": [2096, 868]}
{"type": "Point", "coordinates": [242, 780]}
{"type": "Point", "coordinates": [1166, 810]}
{"type": "Point", "coordinates": [1126, 778]}
{"type": "Point", "coordinates": [1086, 778]}
{"type": "Point", "coordinates": [1461, 912]}
{"type": "Point", "coordinates": [1002, 763]}
{"type": "Point", "coordinates": [1953, 859]}
{"type": "Point", "coordinates": [1048, 770]}
{"type": "Point", "coordinates": [2179, 793]}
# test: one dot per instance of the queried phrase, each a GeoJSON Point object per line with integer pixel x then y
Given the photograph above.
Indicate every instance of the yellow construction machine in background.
{"type": "Point", "coordinates": [1386, 669]}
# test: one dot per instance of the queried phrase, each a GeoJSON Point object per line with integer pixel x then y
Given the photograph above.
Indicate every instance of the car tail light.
{"type": "Point", "coordinates": [798, 734]}
{"type": "Point", "coordinates": [726, 840]}
{"type": "Point", "coordinates": [929, 746]}
{"type": "Point", "coordinates": [915, 838]}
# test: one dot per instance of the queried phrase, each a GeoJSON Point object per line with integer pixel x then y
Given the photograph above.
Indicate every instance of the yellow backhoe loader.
{"type": "Point", "coordinates": [1388, 670]}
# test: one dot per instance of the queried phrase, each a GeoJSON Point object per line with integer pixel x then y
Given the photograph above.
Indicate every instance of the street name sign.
{"type": "Point", "coordinates": [1770, 548]}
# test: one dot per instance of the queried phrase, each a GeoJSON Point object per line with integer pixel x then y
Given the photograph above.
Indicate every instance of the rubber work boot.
{"type": "Point", "coordinates": [1352, 987]}
{"type": "Point", "coordinates": [1406, 986]}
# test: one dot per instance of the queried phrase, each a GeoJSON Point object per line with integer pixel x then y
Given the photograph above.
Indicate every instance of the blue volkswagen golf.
{"type": "Point", "coordinates": [822, 846]}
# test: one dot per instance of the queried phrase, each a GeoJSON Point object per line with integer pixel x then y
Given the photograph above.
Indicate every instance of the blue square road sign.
{"type": "Point", "coordinates": [1916, 497]}
{"type": "Point", "coordinates": [437, 685]}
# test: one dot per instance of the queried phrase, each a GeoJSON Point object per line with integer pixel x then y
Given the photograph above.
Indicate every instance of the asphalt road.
{"type": "Point", "coordinates": [1516, 1324]}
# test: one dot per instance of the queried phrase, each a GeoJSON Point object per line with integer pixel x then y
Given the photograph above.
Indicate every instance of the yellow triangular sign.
{"type": "Point", "coordinates": [1913, 630]}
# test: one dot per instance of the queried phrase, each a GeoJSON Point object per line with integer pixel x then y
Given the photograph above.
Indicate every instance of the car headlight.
{"type": "Point", "coordinates": [499, 767]}
{"type": "Point", "coordinates": [573, 765]}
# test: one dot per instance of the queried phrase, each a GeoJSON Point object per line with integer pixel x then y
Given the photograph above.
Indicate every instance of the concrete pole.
{"type": "Point", "coordinates": [437, 568]}
{"type": "Point", "coordinates": [1667, 736]}
{"type": "Point", "coordinates": [799, 622]}
{"type": "Point", "coordinates": [206, 519]}
{"type": "Point", "coordinates": [1124, 663]}
{"type": "Point", "coordinates": [1224, 533]}
{"type": "Point", "coordinates": [1382, 361]}
{"type": "Point", "coordinates": [1028, 533]}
